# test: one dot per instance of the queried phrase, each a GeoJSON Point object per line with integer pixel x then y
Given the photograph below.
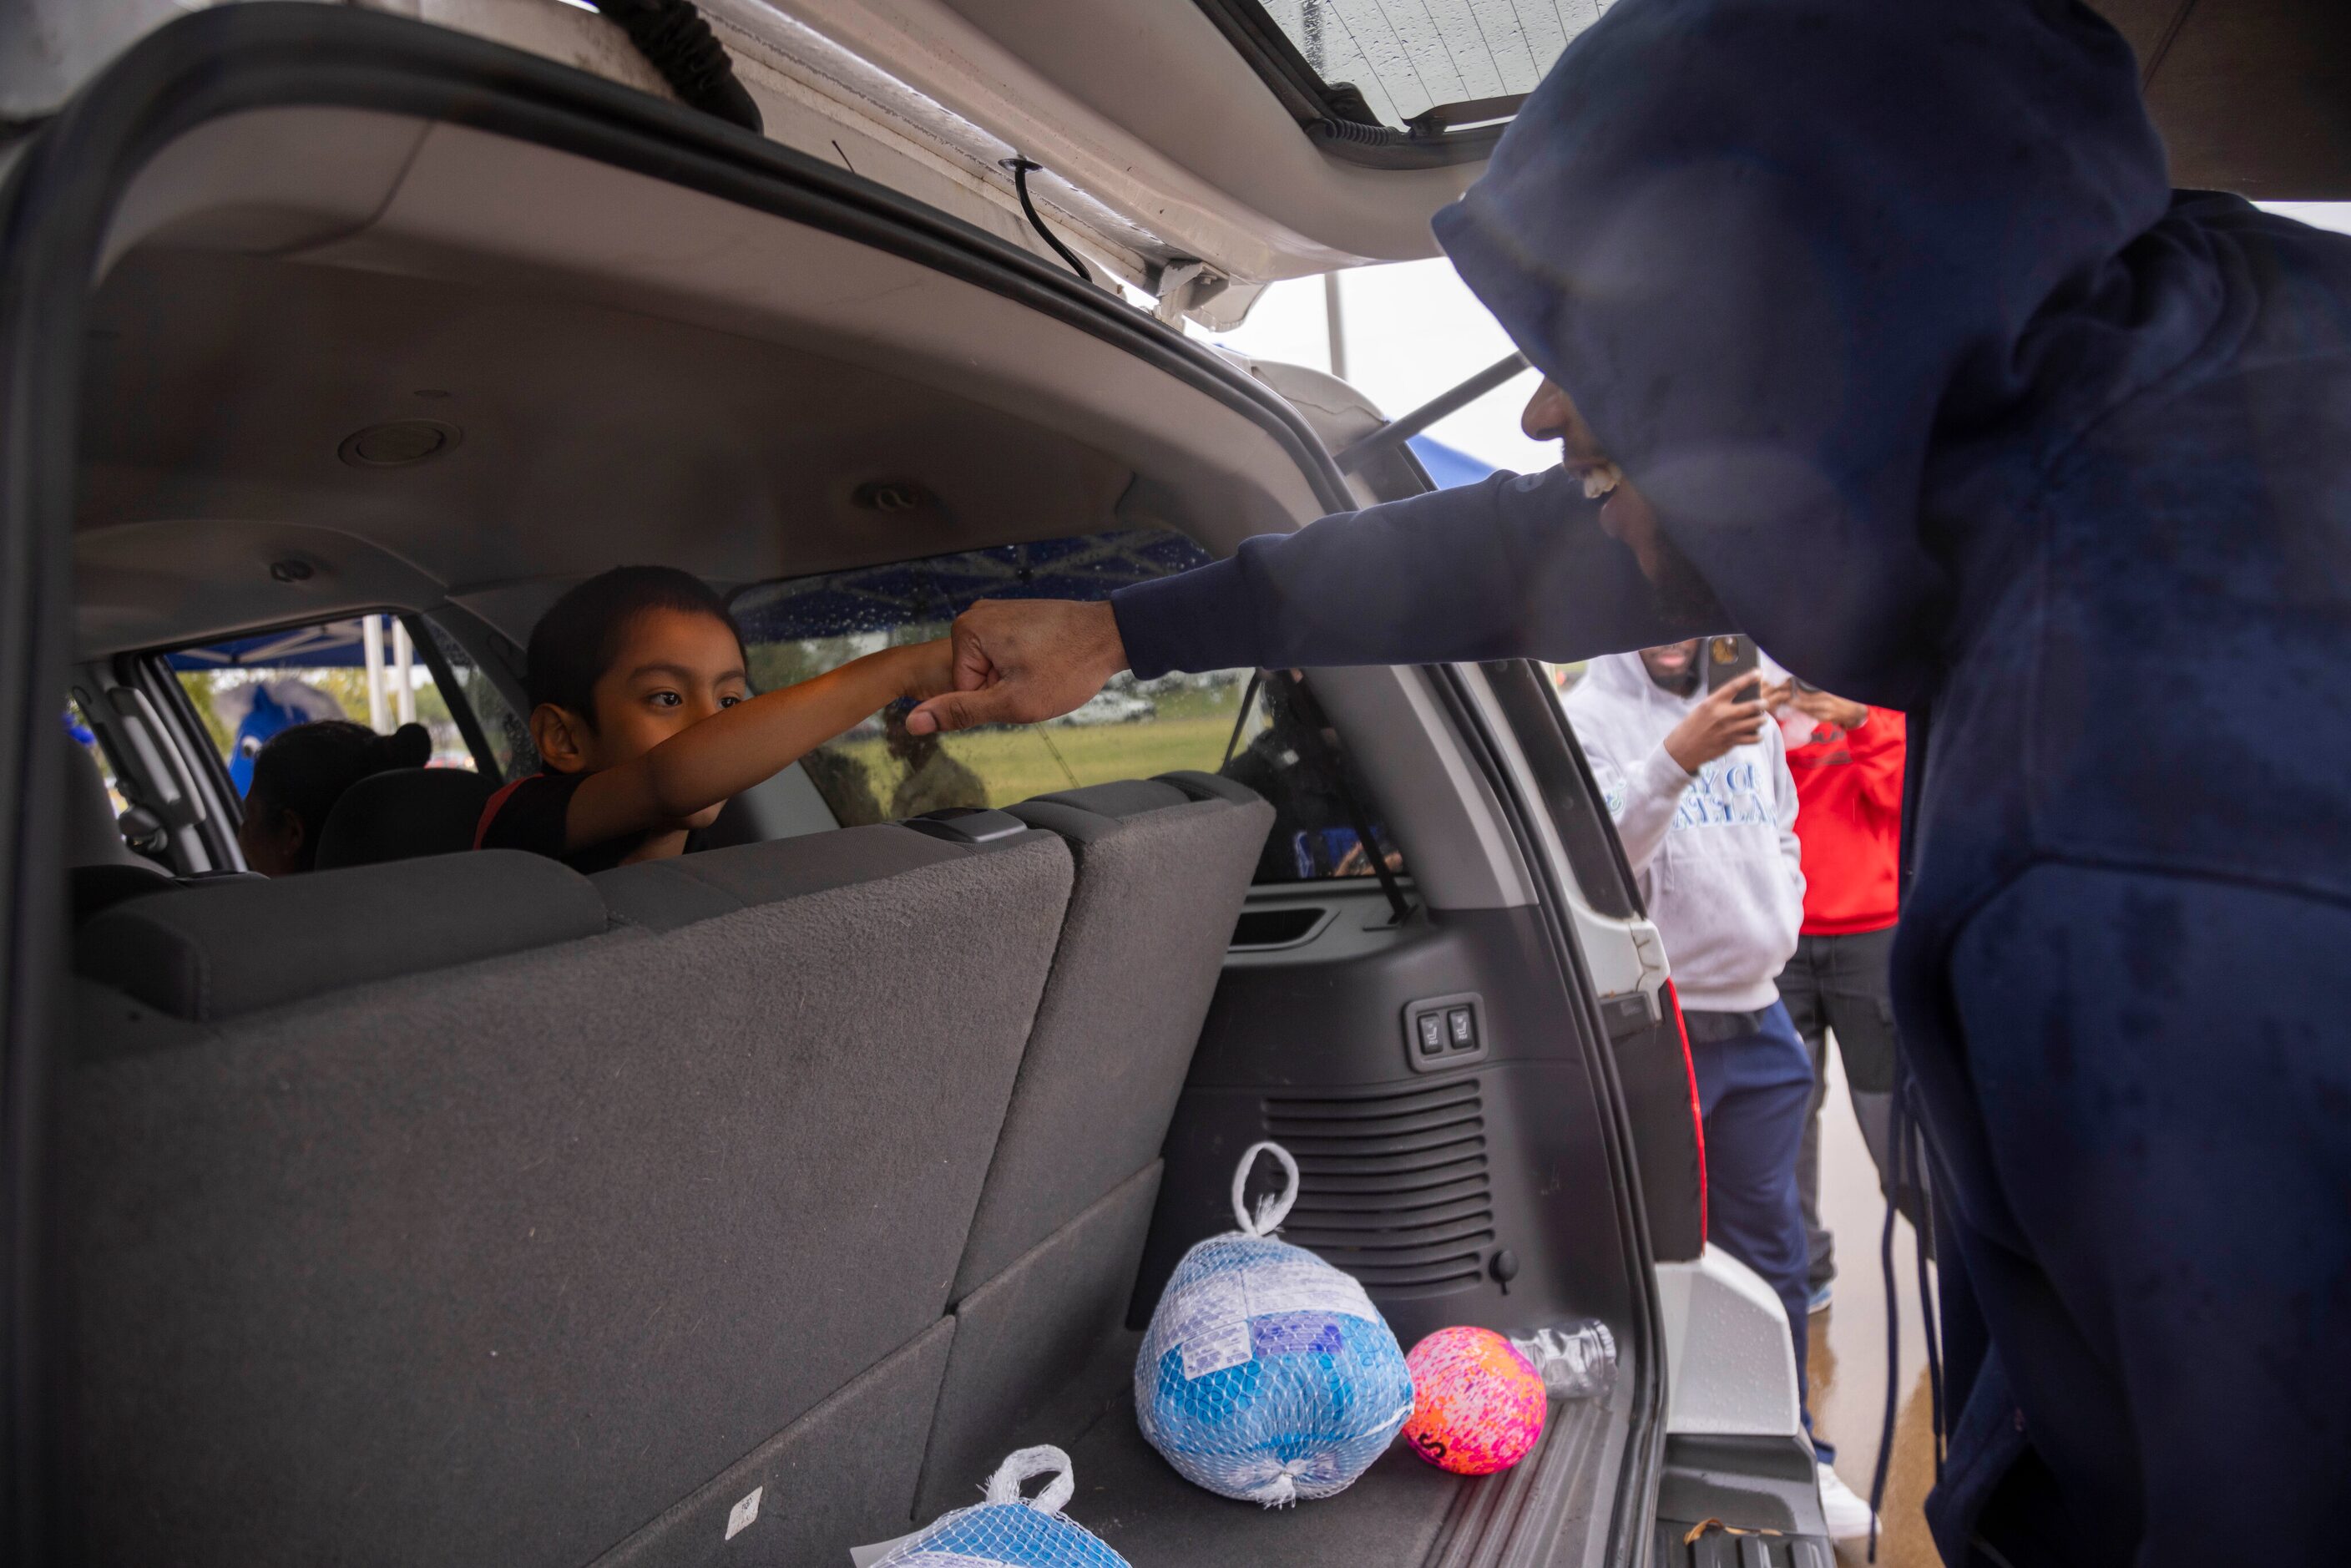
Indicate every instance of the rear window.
{"type": "Point", "coordinates": [1408, 59]}
{"type": "Point", "coordinates": [1224, 720]}
{"type": "Point", "coordinates": [366, 669]}
{"type": "Point", "coordinates": [1431, 80]}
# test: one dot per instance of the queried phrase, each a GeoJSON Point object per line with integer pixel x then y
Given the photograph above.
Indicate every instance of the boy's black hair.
{"type": "Point", "coordinates": [306, 769]}
{"type": "Point", "coordinates": [580, 636]}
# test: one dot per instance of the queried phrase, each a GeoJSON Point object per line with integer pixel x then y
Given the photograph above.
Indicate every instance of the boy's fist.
{"type": "Point", "coordinates": [1022, 660]}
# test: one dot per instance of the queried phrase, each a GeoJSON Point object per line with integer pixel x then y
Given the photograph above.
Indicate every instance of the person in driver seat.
{"type": "Point", "coordinates": [298, 774]}
{"type": "Point", "coordinates": [643, 712]}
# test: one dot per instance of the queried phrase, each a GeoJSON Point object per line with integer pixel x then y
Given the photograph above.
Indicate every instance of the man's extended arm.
{"type": "Point", "coordinates": [1512, 566]}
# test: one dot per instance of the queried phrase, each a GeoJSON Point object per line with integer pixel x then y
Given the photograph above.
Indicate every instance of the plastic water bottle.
{"type": "Point", "coordinates": [1576, 1361]}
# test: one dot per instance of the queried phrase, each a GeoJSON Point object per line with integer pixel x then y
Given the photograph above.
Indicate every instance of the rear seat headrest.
{"type": "Point", "coordinates": [1122, 799]}
{"type": "Point", "coordinates": [93, 890]}
{"type": "Point", "coordinates": [1202, 785]}
{"type": "Point", "coordinates": [1125, 798]}
{"type": "Point", "coordinates": [402, 813]}
{"type": "Point", "coordinates": [249, 944]}
{"type": "Point", "coordinates": [966, 824]}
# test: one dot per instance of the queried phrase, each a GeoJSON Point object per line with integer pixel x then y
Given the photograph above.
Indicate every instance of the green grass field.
{"type": "Point", "coordinates": [1038, 759]}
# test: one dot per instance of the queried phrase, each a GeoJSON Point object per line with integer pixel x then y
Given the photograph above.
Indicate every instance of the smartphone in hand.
{"type": "Point", "coordinates": [1727, 659]}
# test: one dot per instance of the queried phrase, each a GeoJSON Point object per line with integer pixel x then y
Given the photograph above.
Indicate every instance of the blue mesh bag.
{"type": "Point", "coordinates": [1267, 1374]}
{"type": "Point", "coordinates": [1008, 1531]}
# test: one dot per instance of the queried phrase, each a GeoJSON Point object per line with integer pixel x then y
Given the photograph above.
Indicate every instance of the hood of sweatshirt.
{"type": "Point", "coordinates": [1621, 678]}
{"type": "Point", "coordinates": [1786, 256]}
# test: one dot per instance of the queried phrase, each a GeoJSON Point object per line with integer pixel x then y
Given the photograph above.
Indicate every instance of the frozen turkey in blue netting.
{"type": "Point", "coordinates": [1267, 1374]}
{"type": "Point", "coordinates": [1006, 1530]}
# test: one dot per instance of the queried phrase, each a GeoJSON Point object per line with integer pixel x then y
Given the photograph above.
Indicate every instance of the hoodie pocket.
{"type": "Point", "coordinates": [1726, 904]}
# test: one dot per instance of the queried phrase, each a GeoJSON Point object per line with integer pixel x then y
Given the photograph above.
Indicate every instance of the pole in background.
{"type": "Point", "coordinates": [1334, 322]}
{"type": "Point", "coordinates": [404, 679]}
{"type": "Point", "coordinates": [371, 641]}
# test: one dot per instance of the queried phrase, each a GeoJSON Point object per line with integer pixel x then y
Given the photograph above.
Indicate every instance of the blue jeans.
{"type": "Point", "coordinates": [1755, 1095]}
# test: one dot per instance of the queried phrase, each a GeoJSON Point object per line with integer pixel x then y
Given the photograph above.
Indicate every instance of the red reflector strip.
{"type": "Point", "coordinates": [1698, 1117]}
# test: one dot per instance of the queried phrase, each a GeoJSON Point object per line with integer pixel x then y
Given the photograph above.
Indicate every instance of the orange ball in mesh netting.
{"type": "Point", "coordinates": [1478, 1405]}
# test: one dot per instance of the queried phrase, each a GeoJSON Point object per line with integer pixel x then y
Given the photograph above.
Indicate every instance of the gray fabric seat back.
{"type": "Point", "coordinates": [426, 1212]}
{"type": "Point", "coordinates": [1042, 1294]}
{"type": "Point", "coordinates": [1162, 868]}
{"type": "Point", "coordinates": [402, 813]}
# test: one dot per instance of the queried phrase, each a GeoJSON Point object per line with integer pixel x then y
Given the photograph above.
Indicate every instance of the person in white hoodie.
{"type": "Point", "coordinates": [1706, 809]}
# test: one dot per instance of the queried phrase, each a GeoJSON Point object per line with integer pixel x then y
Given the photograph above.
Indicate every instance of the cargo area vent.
{"type": "Point", "coordinates": [1395, 1185]}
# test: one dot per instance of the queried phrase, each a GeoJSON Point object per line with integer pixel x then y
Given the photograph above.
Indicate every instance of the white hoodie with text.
{"type": "Point", "coordinates": [1715, 853]}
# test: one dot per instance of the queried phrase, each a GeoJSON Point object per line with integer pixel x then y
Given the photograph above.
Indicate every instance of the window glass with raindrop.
{"type": "Point", "coordinates": [1236, 722]}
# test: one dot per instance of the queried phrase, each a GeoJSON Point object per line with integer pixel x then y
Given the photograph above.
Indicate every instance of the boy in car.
{"type": "Point", "coordinates": [642, 712]}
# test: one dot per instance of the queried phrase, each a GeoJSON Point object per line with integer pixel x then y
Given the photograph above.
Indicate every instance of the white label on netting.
{"type": "Point", "coordinates": [1215, 1348]}
{"type": "Point", "coordinates": [1209, 1319]}
{"type": "Point", "coordinates": [740, 1517]}
{"type": "Point", "coordinates": [1305, 1285]}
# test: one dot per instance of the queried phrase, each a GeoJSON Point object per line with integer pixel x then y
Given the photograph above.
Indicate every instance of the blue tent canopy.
{"type": "Point", "coordinates": [1447, 466]}
{"type": "Point", "coordinates": [883, 598]}
{"type": "Point", "coordinates": [335, 645]}
{"type": "Point", "coordinates": [869, 599]}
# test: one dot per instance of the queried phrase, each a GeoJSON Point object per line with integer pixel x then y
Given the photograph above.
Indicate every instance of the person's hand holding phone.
{"type": "Point", "coordinates": [1730, 716]}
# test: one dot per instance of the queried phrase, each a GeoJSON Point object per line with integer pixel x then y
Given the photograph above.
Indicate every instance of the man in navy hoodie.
{"type": "Point", "coordinates": [1915, 370]}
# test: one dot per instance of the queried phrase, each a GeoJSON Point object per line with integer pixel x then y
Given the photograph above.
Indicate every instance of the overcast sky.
{"type": "Point", "coordinates": [1413, 330]}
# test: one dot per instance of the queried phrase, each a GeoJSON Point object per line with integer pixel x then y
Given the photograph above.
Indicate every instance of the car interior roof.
{"type": "Point", "coordinates": [625, 369]}
{"type": "Point", "coordinates": [632, 370]}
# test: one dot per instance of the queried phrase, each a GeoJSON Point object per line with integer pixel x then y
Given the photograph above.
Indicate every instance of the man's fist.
{"type": "Point", "coordinates": [1020, 661]}
{"type": "Point", "coordinates": [1728, 717]}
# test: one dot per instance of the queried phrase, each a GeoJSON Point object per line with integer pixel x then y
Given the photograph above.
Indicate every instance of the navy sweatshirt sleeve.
{"type": "Point", "coordinates": [1513, 567]}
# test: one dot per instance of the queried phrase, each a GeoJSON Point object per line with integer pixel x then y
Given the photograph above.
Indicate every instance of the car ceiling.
{"type": "Point", "coordinates": [587, 435]}
{"type": "Point", "coordinates": [628, 370]}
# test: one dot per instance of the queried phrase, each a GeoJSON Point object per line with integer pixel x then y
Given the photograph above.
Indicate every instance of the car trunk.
{"type": "Point", "coordinates": [643, 335]}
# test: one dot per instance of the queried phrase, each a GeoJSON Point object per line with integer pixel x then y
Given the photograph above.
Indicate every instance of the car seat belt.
{"type": "Point", "coordinates": [1315, 732]}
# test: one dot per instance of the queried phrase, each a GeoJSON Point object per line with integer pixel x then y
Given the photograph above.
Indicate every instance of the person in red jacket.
{"type": "Point", "coordinates": [1847, 763]}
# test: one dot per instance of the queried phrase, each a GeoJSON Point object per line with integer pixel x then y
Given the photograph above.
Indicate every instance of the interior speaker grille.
{"type": "Point", "coordinates": [1394, 1187]}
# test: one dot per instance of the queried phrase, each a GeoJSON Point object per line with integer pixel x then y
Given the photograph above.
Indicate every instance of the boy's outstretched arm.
{"type": "Point", "coordinates": [710, 762]}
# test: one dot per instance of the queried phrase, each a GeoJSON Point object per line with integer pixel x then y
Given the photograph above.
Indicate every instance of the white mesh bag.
{"type": "Point", "coordinates": [1267, 1375]}
{"type": "Point", "coordinates": [1008, 1531]}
